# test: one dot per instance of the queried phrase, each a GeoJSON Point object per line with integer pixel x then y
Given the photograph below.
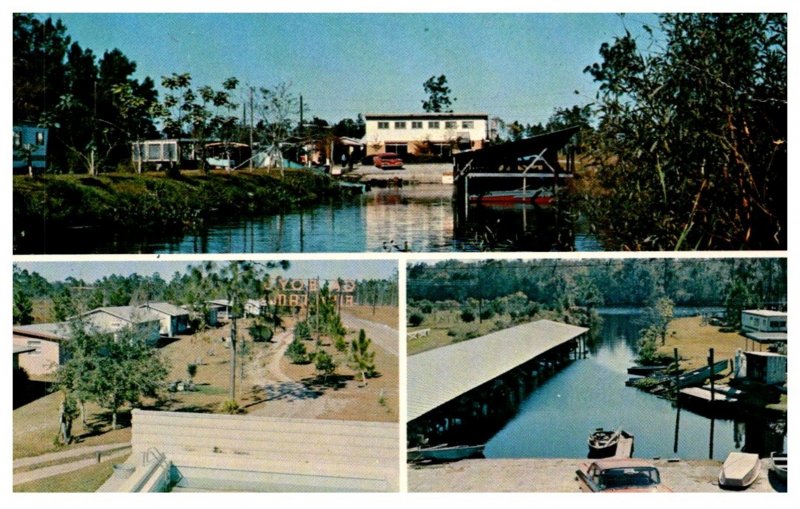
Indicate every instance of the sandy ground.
{"type": "Point", "coordinates": [289, 390]}
{"type": "Point", "coordinates": [558, 476]}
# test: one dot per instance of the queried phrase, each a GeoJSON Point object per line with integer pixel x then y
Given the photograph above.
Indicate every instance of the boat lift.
{"type": "Point", "coordinates": [491, 168]}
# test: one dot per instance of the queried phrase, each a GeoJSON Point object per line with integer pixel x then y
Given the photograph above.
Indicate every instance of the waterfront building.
{"type": "Point", "coordinates": [437, 134]}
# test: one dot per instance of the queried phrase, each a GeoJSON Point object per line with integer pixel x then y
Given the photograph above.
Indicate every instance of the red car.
{"type": "Point", "coordinates": [387, 160]}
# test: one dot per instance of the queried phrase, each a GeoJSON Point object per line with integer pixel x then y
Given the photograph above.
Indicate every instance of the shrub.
{"type": "Point", "coordinates": [231, 407]}
{"type": "Point", "coordinates": [467, 315]}
{"type": "Point", "coordinates": [297, 352]}
{"type": "Point", "coordinates": [415, 318]}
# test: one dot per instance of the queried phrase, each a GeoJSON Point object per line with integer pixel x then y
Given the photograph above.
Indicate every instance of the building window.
{"type": "Point", "coordinates": [39, 138]}
{"type": "Point", "coordinates": [450, 124]}
{"type": "Point", "coordinates": [383, 125]}
{"type": "Point", "coordinates": [416, 125]}
{"type": "Point", "coordinates": [399, 125]}
{"type": "Point", "coordinates": [17, 140]}
{"type": "Point", "coordinates": [467, 124]}
{"type": "Point", "coordinates": [434, 124]}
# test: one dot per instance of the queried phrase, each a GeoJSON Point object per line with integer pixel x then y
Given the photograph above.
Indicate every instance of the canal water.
{"type": "Point", "coordinates": [418, 218]}
{"type": "Point", "coordinates": [557, 417]}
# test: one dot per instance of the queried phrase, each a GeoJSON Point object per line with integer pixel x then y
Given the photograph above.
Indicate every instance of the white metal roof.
{"type": "Point", "coordinates": [165, 308]}
{"type": "Point", "coordinates": [765, 312]}
{"type": "Point", "coordinates": [438, 376]}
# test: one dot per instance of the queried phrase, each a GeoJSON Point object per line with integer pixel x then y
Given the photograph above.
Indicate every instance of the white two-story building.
{"type": "Point", "coordinates": [438, 134]}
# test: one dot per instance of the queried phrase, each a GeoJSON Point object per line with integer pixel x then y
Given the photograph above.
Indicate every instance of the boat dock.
{"type": "Point", "coordinates": [441, 375]}
{"type": "Point", "coordinates": [557, 475]}
{"type": "Point", "coordinates": [523, 165]}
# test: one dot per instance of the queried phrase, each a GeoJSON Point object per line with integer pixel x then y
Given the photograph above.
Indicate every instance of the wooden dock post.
{"type": "Point", "coordinates": [711, 377]}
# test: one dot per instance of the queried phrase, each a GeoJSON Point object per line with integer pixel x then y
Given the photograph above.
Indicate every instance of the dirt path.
{"type": "Point", "coordinates": [285, 392]}
{"type": "Point", "coordinates": [40, 467]}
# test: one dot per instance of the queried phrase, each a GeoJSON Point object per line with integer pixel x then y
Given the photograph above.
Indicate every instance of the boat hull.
{"type": "Point", "coordinates": [443, 454]}
{"type": "Point", "coordinates": [739, 471]}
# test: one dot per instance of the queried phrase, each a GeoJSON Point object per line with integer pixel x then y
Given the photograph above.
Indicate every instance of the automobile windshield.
{"type": "Point", "coordinates": [626, 477]}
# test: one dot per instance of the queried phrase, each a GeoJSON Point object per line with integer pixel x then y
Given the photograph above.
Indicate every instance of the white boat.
{"type": "Point", "coordinates": [779, 463]}
{"type": "Point", "coordinates": [740, 470]}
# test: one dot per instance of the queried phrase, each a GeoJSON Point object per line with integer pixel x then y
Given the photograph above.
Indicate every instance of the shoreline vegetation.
{"type": "Point", "coordinates": [156, 202]}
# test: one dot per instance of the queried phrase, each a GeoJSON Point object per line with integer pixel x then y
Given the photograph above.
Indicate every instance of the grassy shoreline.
{"type": "Point", "coordinates": [155, 203]}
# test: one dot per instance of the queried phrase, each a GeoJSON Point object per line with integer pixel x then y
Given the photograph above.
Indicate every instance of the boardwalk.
{"type": "Point", "coordinates": [438, 376]}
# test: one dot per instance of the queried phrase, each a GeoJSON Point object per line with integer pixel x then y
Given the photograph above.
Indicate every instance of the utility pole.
{"type": "Point", "coordinates": [252, 114]}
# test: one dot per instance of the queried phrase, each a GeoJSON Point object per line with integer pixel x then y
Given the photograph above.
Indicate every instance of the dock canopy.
{"type": "Point", "coordinates": [440, 375]}
{"type": "Point", "coordinates": [507, 156]}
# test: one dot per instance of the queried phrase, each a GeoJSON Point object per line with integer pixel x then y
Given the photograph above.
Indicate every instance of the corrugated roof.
{"type": "Point", "coordinates": [438, 376]}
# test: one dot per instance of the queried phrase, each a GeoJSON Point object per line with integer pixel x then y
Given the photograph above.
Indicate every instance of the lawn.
{"type": "Point", "coordinates": [693, 338]}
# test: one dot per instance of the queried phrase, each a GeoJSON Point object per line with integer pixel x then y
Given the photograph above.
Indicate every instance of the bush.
{"type": "Point", "coordinates": [415, 318]}
{"type": "Point", "coordinates": [324, 364]}
{"type": "Point", "coordinates": [231, 407]}
{"type": "Point", "coordinates": [297, 352]}
{"type": "Point", "coordinates": [302, 331]}
{"type": "Point", "coordinates": [468, 315]}
{"type": "Point", "coordinates": [260, 332]}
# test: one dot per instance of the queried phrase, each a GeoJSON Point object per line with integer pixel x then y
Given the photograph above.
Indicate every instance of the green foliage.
{"type": "Point", "coordinates": [231, 407]}
{"type": "Point", "coordinates": [260, 332]}
{"type": "Point", "coordinates": [302, 331]}
{"type": "Point", "coordinates": [415, 318]}
{"type": "Point", "coordinates": [150, 203]}
{"type": "Point", "coordinates": [648, 348]}
{"type": "Point", "coordinates": [110, 369]}
{"type": "Point", "coordinates": [339, 343]}
{"type": "Point", "coordinates": [468, 315]}
{"type": "Point", "coordinates": [691, 140]}
{"type": "Point", "coordinates": [361, 359]}
{"type": "Point", "coordinates": [191, 370]}
{"type": "Point", "coordinates": [297, 352]}
{"type": "Point", "coordinates": [438, 95]}
{"type": "Point", "coordinates": [23, 308]}
{"type": "Point", "coordinates": [324, 364]}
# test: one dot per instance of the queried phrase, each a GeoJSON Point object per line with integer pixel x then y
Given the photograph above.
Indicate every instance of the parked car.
{"type": "Point", "coordinates": [387, 160]}
{"type": "Point", "coordinates": [620, 475]}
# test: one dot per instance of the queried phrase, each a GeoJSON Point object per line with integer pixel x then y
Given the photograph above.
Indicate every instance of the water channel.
{"type": "Point", "coordinates": [555, 419]}
{"type": "Point", "coordinates": [417, 218]}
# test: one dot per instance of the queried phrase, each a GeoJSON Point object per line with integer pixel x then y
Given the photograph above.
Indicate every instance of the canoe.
{"type": "Point", "coordinates": [603, 443]}
{"type": "Point", "coordinates": [739, 471]}
{"type": "Point", "coordinates": [779, 463]}
{"type": "Point", "coordinates": [445, 453]}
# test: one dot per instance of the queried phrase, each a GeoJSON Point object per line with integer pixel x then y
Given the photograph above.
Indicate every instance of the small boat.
{"type": "Point", "coordinates": [698, 376]}
{"type": "Point", "coordinates": [646, 370]}
{"type": "Point", "coordinates": [603, 443]}
{"type": "Point", "coordinates": [444, 453]}
{"type": "Point", "coordinates": [739, 471]}
{"type": "Point", "coordinates": [538, 196]}
{"type": "Point", "coordinates": [779, 463]}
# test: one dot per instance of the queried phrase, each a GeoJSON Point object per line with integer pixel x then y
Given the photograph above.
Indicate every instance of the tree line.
{"type": "Point", "coordinates": [592, 283]}
{"type": "Point", "coordinates": [60, 300]}
{"type": "Point", "coordinates": [95, 109]}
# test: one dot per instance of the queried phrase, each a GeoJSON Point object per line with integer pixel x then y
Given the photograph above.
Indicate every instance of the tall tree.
{"type": "Point", "coordinates": [691, 141]}
{"type": "Point", "coordinates": [110, 369]}
{"type": "Point", "coordinates": [438, 95]}
{"type": "Point", "coordinates": [277, 107]}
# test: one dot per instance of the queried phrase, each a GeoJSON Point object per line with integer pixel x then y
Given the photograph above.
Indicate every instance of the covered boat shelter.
{"type": "Point", "coordinates": [510, 165]}
{"type": "Point", "coordinates": [456, 383]}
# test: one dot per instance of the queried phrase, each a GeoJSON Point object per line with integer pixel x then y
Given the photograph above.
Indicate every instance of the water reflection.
{"type": "Point", "coordinates": [420, 218]}
{"type": "Point", "coordinates": [555, 420]}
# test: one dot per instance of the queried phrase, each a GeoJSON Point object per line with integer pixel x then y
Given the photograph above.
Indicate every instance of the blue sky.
{"type": "Point", "coordinates": [515, 66]}
{"type": "Point", "coordinates": [91, 271]}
